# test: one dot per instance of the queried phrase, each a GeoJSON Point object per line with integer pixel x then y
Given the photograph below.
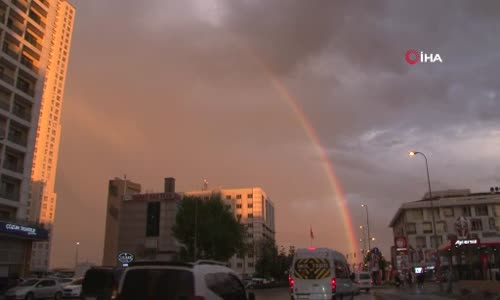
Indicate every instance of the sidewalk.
{"type": "Point", "coordinates": [429, 291]}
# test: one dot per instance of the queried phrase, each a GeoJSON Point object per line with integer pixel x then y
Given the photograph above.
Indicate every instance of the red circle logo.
{"type": "Point", "coordinates": [411, 56]}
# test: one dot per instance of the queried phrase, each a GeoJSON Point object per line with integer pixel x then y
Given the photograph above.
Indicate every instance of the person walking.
{"type": "Point", "coordinates": [409, 279]}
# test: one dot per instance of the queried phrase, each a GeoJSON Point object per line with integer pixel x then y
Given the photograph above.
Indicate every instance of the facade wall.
{"type": "Point", "coordinates": [415, 222]}
{"type": "Point", "coordinates": [117, 188]}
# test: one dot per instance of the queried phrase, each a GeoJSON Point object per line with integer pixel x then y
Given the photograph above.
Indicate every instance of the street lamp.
{"type": "Point", "coordinates": [76, 254]}
{"type": "Point", "coordinates": [364, 237]}
{"type": "Point", "coordinates": [367, 225]}
{"type": "Point", "coordinates": [414, 153]}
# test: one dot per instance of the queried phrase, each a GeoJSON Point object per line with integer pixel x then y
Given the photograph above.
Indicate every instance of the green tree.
{"type": "Point", "coordinates": [272, 262]}
{"type": "Point", "coordinates": [267, 254]}
{"type": "Point", "coordinates": [220, 235]}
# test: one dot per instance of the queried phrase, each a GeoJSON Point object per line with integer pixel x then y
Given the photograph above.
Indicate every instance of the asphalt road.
{"type": "Point", "coordinates": [282, 294]}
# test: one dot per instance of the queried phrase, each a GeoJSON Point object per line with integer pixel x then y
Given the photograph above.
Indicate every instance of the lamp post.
{"type": "Point", "coordinates": [367, 225]}
{"type": "Point", "coordinates": [363, 239]}
{"type": "Point", "coordinates": [414, 153]}
{"type": "Point", "coordinates": [76, 254]}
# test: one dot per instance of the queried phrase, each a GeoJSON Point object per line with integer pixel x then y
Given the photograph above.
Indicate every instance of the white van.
{"type": "Point", "coordinates": [320, 273]}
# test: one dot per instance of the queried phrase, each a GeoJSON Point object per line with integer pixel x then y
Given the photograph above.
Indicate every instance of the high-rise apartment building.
{"type": "Point", "coordinates": [59, 18]}
{"type": "Point", "coordinates": [255, 210]}
{"type": "Point", "coordinates": [35, 39]}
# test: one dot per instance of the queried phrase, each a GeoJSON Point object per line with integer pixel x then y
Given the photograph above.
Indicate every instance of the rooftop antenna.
{"type": "Point", "coordinates": [205, 185]}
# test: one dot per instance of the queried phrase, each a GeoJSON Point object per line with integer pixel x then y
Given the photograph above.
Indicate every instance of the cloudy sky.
{"type": "Point", "coordinates": [185, 89]}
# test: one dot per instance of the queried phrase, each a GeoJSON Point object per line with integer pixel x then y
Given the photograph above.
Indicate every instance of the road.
{"type": "Point", "coordinates": [282, 294]}
{"type": "Point", "coordinates": [377, 294]}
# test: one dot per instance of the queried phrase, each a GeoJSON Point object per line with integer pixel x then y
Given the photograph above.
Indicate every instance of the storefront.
{"type": "Point", "coordinates": [15, 249]}
{"type": "Point", "coordinates": [471, 259]}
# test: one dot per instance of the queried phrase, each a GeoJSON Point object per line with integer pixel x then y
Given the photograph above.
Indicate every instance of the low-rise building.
{"type": "Point", "coordinates": [467, 234]}
{"type": "Point", "coordinates": [146, 222]}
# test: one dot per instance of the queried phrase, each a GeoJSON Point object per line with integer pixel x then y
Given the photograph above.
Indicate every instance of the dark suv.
{"type": "Point", "coordinates": [101, 283]}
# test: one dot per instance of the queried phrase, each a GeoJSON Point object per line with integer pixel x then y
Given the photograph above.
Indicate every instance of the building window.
{"type": "Point", "coordinates": [433, 241]}
{"type": "Point", "coordinates": [153, 219]}
{"type": "Point", "coordinates": [250, 196]}
{"type": "Point", "coordinates": [497, 210]}
{"type": "Point", "coordinates": [228, 197]}
{"type": "Point", "coordinates": [417, 214]}
{"type": "Point", "coordinates": [493, 224]}
{"type": "Point", "coordinates": [448, 212]}
{"type": "Point", "coordinates": [411, 228]}
{"type": "Point", "coordinates": [421, 242]}
{"type": "Point", "coordinates": [250, 264]}
{"type": "Point", "coordinates": [238, 205]}
{"type": "Point", "coordinates": [441, 227]}
{"type": "Point", "coordinates": [238, 216]}
{"type": "Point", "coordinates": [250, 205]}
{"type": "Point", "coordinates": [481, 210]}
{"type": "Point", "coordinates": [476, 225]}
{"type": "Point", "coordinates": [250, 216]}
{"type": "Point", "coordinates": [250, 235]}
{"type": "Point", "coordinates": [250, 225]}
{"type": "Point", "coordinates": [427, 227]}
{"type": "Point", "coordinates": [466, 211]}
{"type": "Point", "coordinates": [238, 196]}
{"type": "Point", "coordinates": [239, 265]}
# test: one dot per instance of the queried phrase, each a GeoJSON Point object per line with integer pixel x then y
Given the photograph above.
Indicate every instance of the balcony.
{"type": "Point", "coordinates": [14, 160]}
{"type": "Point", "coordinates": [14, 27]}
{"type": "Point", "coordinates": [19, 4]}
{"type": "Point", "coordinates": [22, 108]}
{"type": "Point", "coordinates": [4, 102]}
{"type": "Point", "coordinates": [9, 51]}
{"type": "Point", "coordinates": [37, 19]}
{"type": "Point", "coordinates": [32, 40]}
{"type": "Point", "coordinates": [28, 63]}
{"type": "Point", "coordinates": [18, 134]}
{"type": "Point", "coordinates": [6, 78]}
{"type": "Point", "coordinates": [25, 86]}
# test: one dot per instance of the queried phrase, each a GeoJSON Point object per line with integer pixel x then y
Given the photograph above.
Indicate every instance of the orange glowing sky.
{"type": "Point", "coordinates": [163, 90]}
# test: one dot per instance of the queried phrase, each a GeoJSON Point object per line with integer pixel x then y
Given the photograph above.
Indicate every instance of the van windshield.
{"type": "Point", "coordinates": [148, 284]}
{"type": "Point", "coordinates": [364, 276]}
{"type": "Point", "coordinates": [311, 268]}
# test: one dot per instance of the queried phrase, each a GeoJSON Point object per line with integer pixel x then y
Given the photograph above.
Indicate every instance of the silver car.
{"type": "Point", "coordinates": [35, 289]}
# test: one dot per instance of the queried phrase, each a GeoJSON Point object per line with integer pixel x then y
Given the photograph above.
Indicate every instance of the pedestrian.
{"type": "Point", "coordinates": [451, 277]}
{"type": "Point", "coordinates": [410, 282]}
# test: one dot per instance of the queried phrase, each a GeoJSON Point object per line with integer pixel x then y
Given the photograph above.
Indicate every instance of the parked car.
{"type": "Point", "coordinates": [205, 280]}
{"type": "Point", "coordinates": [35, 289]}
{"type": "Point", "coordinates": [64, 281]}
{"type": "Point", "coordinates": [363, 281]}
{"type": "Point", "coordinates": [73, 289]}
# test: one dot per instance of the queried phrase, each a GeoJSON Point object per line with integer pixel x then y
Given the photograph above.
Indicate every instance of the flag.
{"type": "Point", "coordinates": [312, 233]}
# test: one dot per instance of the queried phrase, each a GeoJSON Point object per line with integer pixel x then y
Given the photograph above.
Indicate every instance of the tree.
{"type": "Point", "coordinates": [220, 235]}
{"type": "Point", "coordinates": [267, 254]}
{"type": "Point", "coordinates": [271, 262]}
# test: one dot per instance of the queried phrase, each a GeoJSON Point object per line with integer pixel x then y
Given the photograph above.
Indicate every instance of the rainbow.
{"type": "Point", "coordinates": [282, 90]}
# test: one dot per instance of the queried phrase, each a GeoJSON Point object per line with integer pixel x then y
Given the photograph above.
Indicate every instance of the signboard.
{"type": "Point", "coordinates": [462, 227]}
{"type": "Point", "coordinates": [153, 196]}
{"type": "Point", "coordinates": [401, 244]}
{"type": "Point", "coordinates": [125, 258]}
{"type": "Point", "coordinates": [312, 268]}
{"type": "Point", "coordinates": [31, 232]}
{"type": "Point", "coordinates": [459, 243]}
{"type": "Point", "coordinates": [402, 262]}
